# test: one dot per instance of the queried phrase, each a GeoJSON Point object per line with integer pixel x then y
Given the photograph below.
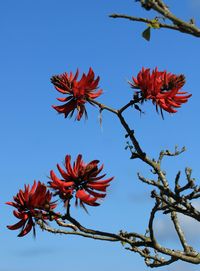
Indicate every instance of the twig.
{"type": "Point", "coordinates": [45, 227]}
{"type": "Point", "coordinates": [142, 20]}
{"type": "Point", "coordinates": [162, 9]}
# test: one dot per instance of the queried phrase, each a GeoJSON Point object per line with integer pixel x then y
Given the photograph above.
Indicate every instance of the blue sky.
{"type": "Point", "coordinates": [43, 38]}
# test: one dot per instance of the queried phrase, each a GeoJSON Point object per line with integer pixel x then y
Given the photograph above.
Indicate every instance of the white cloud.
{"type": "Point", "coordinates": [165, 231]}
{"type": "Point", "coordinates": [181, 266]}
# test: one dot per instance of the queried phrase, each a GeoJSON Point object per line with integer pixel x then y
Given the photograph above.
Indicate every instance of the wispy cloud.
{"type": "Point", "coordinates": [165, 230]}
{"type": "Point", "coordinates": [181, 266]}
{"type": "Point", "coordinates": [32, 252]}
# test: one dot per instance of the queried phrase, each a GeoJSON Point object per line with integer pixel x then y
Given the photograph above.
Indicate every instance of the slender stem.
{"type": "Point", "coordinates": [132, 102]}
{"type": "Point", "coordinates": [63, 224]}
{"type": "Point", "coordinates": [115, 237]}
{"type": "Point", "coordinates": [83, 234]}
{"type": "Point", "coordinates": [160, 7]}
{"type": "Point", "coordinates": [103, 106]}
{"type": "Point", "coordinates": [152, 216]}
{"type": "Point", "coordinates": [142, 20]}
{"type": "Point", "coordinates": [140, 152]}
{"type": "Point", "coordinates": [131, 135]}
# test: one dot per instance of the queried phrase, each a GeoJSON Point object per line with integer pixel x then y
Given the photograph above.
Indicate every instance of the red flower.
{"type": "Point", "coordinates": [31, 203]}
{"type": "Point", "coordinates": [78, 92]}
{"type": "Point", "coordinates": [80, 179]}
{"type": "Point", "coordinates": [162, 88]}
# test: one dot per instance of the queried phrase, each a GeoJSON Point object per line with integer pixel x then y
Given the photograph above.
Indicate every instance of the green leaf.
{"type": "Point", "coordinates": [123, 243]}
{"type": "Point", "coordinates": [146, 34]}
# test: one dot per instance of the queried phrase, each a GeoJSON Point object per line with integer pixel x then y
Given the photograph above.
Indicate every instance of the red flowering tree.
{"type": "Point", "coordinates": [84, 183]}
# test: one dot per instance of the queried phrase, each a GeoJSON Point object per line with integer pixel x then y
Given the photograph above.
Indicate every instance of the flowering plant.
{"type": "Point", "coordinates": [82, 180]}
{"type": "Point", "coordinates": [78, 92]}
{"type": "Point", "coordinates": [162, 88]}
{"type": "Point", "coordinates": [84, 183]}
{"type": "Point", "coordinates": [31, 204]}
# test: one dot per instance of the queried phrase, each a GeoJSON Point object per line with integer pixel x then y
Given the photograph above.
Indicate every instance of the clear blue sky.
{"type": "Point", "coordinates": [41, 38]}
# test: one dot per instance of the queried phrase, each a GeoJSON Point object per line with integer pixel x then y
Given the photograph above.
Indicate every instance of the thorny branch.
{"type": "Point", "coordinates": [167, 200]}
{"type": "Point", "coordinates": [164, 14]}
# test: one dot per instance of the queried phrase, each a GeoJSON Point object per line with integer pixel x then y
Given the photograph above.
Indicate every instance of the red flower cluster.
{"type": "Point", "coordinates": [31, 203]}
{"type": "Point", "coordinates": [80, 179]}
{"type": "Point", "coordinates": [162, 88]}
{"type": "Point", "coordinates": [78, 92]}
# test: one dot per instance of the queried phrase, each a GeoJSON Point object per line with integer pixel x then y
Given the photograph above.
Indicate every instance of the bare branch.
{"type": "Point", "coordinates": [103, 106]}
{"type": "Point", "coordinates": [63, 224]}
{"type": "Point", "coordinates": [162, 9]}
{"type": "Point", "coordinates": [45, 227]}
{"type": "Point", "coordinates": [180, 232]}
{"type": "Point", "coordinates": [169, 153]}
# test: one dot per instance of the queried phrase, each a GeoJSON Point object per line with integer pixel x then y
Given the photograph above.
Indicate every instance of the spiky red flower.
{"type": "Point", "coordinates": [34, 202]}
{"type": "Point", "coordinates": [78, 92]}
{"type": "Point", "coordinates": [80, 179]}
{"type": "Point", "coordinates": [162, 88]}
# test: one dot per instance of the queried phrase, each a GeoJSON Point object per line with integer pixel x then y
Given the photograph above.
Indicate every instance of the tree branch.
{"type": "Point", "coordinates": [143, 20]}
{"type": "Point", "coordinates": [162, 9]}
{"type": "Point", "coordinates": [180, 232]}
{"type": "Point", "coordinates": [45, 227]}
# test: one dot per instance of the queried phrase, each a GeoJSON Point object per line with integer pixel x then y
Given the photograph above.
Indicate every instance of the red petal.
{"type": "Point", "coordinates": [69, 167]}
{"type": "Point", "coordinates": [78, 163]}
{"type": "Point", "coordinates": [12, 204]}
{"type": "Point", "coordinates": [63, 173]}
{"type": "Point", "coordinates": [104, 181]}
{"type": "Point", "coordinates": [100, 187]}
{"type": "Point", "coordinates": [65, 99]}
{"type": "Point", "coordinates": [95, 194]}
{"type": "Point", "coordinates": [17, 225]}
{"type": "Point", "coordinates": [33, 188]}
{"type": "Point", "coordinates": [19, 215]}
{"type": "Point", "coordinates": [97, 178]}
{"type": "Point", "coordinates": [86, 198]}
{"type": "Point", "coordinates": [27, 229]}
{"type": "Point", "coordinates": [54, 177]}
{"type": "Point", "coordinates": [63, 91]}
